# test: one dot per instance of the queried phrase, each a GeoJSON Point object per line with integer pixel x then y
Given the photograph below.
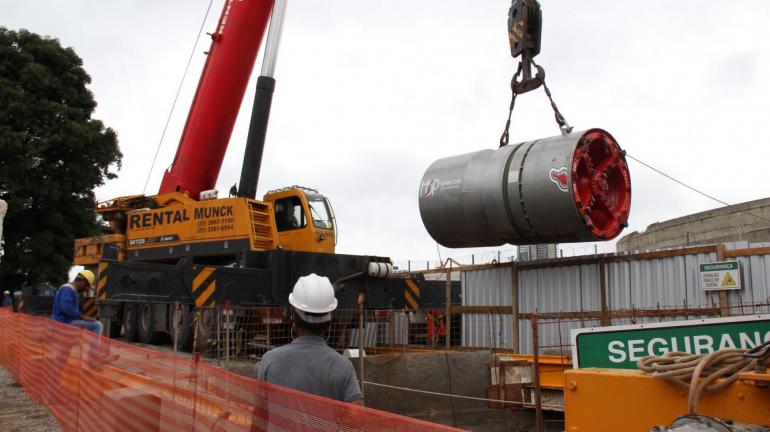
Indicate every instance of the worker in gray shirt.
{"type": "Point", "coordinates": [308, 364]}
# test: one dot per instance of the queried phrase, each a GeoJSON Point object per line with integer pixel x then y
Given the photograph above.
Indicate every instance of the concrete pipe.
{"type": "Point", "coordinates": [568, 188]}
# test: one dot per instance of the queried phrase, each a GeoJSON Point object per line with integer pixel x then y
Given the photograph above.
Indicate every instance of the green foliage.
{"type": "Point", "coordinates": [52, 156]}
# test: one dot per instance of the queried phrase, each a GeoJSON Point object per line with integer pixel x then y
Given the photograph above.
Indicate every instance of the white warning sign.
{"type": "Point", "coordinates": [725, 275]}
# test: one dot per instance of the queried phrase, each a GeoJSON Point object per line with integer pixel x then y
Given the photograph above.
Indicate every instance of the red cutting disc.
{"type": "Point", "coordinates": [601, 184]}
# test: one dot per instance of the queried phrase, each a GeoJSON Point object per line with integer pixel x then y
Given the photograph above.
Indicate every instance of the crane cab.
{"type": "Point", "coordinates": [304, 219]}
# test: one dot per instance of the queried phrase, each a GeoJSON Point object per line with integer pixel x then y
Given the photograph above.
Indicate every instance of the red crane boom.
{"type": "Point", "coordinates": [212, 116]}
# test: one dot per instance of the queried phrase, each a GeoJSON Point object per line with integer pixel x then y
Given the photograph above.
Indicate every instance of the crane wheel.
{"type": "Point", "coordinates": [131, 321]}
{"type": "Point", "coordinates": [180, 326]}
{"type": "Point", "coordinates": [147, 333]}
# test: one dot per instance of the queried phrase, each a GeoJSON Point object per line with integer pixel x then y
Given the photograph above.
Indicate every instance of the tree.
{"type": "Point", "coordinates": [52, 156]}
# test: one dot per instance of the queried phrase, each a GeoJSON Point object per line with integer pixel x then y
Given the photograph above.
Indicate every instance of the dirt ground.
{"type": "Point", "coordinates": [18, 413]}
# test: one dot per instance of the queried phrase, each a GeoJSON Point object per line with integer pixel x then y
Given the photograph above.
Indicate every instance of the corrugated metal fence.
{"type": "Point", "coordinates": [653, 286]}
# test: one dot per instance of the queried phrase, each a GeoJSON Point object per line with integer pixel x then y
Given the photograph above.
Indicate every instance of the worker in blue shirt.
{"type": "Point", "coordinates": [65, 303]}
{"type": "Point", "coordinates": [65, 310]}
{"type": "Point", "coordinates": [7, 299]}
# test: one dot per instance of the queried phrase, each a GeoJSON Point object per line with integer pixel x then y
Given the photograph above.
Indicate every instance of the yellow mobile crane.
{"type": "Point", "coordinates": [168, 256]}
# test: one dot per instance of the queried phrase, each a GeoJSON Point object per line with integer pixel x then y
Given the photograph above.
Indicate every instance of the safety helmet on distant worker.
{"type": "Point", "coordinates": [88, 275]}
{"type": "Point", "coordinates": [6, 292]}
{"type": "Point", "coordinates": [313, 298]}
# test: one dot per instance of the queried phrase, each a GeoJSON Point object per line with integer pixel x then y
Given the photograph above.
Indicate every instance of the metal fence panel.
{"type": "Point", "coordinates": [558, 289]}
{"type": "Point", "coordinates": [486, 330]}
{"type": "Point", "coordinates": [590, 294]}
{"type": "Point", "coordinates": [696, 297]}
{"type": "Point", "coordinates": [487, 287]}
{"type": "Point", "coordinates": [400, 323]}
{"type": "Point", "coordinates": [528, 290]}
{"type": "Point", "coordinates": [657, 283]}
{"type": "Point", "coordinates": [665, 283]}
{"type": "Point", "coordinates": [619, 285]}
{"type": "Point", "coordinates": [758, 277]}
{"type": "Point", "coordinates": [484, 288]}
{"type": "Point", "coordinates": [370, 335]}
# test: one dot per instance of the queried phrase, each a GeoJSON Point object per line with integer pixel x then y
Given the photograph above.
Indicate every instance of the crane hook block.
{"type": "Point", "coordinates": [525, 23]}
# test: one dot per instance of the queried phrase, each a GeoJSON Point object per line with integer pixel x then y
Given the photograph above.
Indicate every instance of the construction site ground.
{"type": "Point", "coordinates": [18, 413]}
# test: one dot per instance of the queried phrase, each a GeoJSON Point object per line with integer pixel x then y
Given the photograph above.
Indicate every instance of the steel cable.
{"type": "Point", "coordinates": [691, 188]}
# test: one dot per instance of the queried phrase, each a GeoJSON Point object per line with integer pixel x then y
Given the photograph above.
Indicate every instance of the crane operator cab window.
{"type": "Point", "coordinates": [289, 214]}
{"type": "Point", "coordinates": [320, 211]}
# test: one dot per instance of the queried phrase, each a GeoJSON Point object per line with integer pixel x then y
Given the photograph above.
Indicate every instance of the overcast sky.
{"type": "Point", "coordinates": [369, 93]}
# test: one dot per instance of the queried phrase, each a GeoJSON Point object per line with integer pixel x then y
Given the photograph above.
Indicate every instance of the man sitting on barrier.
{"type": "Point", "coordinates": [66, 310]}
{"type": "Point", "coordinates": [65, 303]}
{"type": "Point", "coordinates": [308, 364]}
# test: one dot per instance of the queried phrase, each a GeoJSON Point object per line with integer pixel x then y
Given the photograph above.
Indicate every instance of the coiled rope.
{"type": "Point", "coordinates": [698, 373]}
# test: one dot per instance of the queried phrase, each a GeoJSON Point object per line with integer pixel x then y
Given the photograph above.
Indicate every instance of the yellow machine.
{"type": "Point", "coordinates": [165, 227]}
{"type": "Point", "coordinates": [717, 387]}
{"type": "Point", "coordinates": [610, 400]}
{"type": "Point", "coordinates": [165, 258]}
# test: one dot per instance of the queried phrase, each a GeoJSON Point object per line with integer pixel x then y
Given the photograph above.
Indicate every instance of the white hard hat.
{"type": "Point", "coordinates": [314, 295]}
{"type": "Point", "coordinates": [6, 292]}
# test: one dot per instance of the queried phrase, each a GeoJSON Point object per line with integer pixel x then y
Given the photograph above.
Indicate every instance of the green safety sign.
{"type": "Point", "coordinates": [620, 347]}
{"type": "Point", "coordinates": [725, 275]}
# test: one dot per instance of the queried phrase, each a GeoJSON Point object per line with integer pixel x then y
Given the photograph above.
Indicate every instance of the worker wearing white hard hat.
{"type": "Point", "coordinates": [7, 299]}
{"type": "Point", "coordinates": [308, 364]}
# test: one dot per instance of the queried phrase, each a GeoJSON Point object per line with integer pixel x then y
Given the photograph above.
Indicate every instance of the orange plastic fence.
{"type": "Point", "coordinates": [61, 367]}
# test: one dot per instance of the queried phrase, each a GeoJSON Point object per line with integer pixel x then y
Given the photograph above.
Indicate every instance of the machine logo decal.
{"type": "Point", "coordinates": [559, 177]}
{"type": "Point", "coordinates": [168, 217]}
{"type": "Point", "coordinates": [429, 187]}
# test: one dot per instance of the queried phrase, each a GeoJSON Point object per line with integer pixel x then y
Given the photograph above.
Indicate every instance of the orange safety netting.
{"type": "Point", "coordinates": [92, 383]}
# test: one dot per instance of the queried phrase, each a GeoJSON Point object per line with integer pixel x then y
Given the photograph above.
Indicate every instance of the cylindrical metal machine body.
{"type": "Point", "coordinates": [218, 98]}
{"type": "Point", "coordinates": [568, 188]}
